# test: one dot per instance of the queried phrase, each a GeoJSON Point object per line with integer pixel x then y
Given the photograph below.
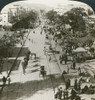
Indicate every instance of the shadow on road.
{"type": "Point", "coordinates": [35, 70]}
{"type": "Point", "coordinates": [36, 65]}
{"type": "Point", "coordinates": [16, 50]}
{"type": "Point", "coordinates": [8, 64]}
{"type": "Point", "coordinates": [28, 89]}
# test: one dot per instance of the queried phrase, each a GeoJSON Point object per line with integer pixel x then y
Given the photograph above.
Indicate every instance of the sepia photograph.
{"type": "Point", "coordinates": [47, 50]}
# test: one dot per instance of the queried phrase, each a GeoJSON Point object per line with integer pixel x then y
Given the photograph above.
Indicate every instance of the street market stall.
{"type": "Point", "coordinates": [79, 54]}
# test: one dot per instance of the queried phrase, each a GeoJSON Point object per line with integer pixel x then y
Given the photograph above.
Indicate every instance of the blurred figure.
{"type": "Point", "coordinates": [68, 69]}
{"type": "Point", "coordinates": [76, 84]}
{"type": "Point", "coordinates": [73, 94]}
{"type": "Point", "coordinates": [58, 95]}
{"type": "Point", "coordinates": [24, 65]}
{"type": "Point", "coordinates": [42, 71]}
{"type": "Point", "coordinates": [68, 83]}
{"type": "Point", "coordinates": [49, 58]}
{"type": "Point", "coordinates": [4, 80]}
{"type": "Point", "coordinates": [74, 64]}
{"type": "Point", "coordinates": [77, 97]}
{"type": "Point", "coordinates": [9, 80]}
{"type": "Point", "coordinates": [65, 94]}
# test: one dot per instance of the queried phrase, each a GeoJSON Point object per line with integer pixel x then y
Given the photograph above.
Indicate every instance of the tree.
{"type": "Point", "coordinates": [28, 21]}
{"type": "Point", "coordinates": [75, 26]}
{"type": "Point", "coordinates": [7, 43]}
{"type": "Point", "coordinates": [75, 18]}
{"type": "Point", "coordinates": [52, 16]}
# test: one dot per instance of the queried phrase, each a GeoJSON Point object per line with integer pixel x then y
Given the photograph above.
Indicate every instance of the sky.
{"type": "Point", "coordinates": [50, 3]}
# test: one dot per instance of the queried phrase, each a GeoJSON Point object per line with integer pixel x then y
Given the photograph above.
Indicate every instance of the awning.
{"type": "Point", "coordinates": [79, 50]}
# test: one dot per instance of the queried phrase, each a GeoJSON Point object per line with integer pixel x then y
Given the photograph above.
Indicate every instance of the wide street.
{"type": "Point", "coordinates": [31, 85]}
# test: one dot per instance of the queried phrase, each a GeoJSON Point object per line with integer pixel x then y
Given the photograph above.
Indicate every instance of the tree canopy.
{"type": "Point", "coordinates": [27, 21]}
{"type": "Point", "coordinates": [73, 24]}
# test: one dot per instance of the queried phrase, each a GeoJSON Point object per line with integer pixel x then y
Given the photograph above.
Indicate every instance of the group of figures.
{"type": "Point", "coordinates": [25, 63]}
{"type": "Point", "coordinates": [70, 92]}
{"type": "Point", "coordinates": [73, 92]}
{"type": "Point", "coordinates": [6, 80]}
{"type": "Point", "coordinates": [26, 59]}
{"type": "Point", "coordinates": [66, 94]}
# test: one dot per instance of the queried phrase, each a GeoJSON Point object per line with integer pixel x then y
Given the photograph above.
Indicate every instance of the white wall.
{"type": "Point", "coordinates": [3, 18]}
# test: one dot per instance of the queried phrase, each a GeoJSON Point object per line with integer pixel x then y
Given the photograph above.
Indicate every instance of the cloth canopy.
{"type": "Point", "coordinates": [79, 50]}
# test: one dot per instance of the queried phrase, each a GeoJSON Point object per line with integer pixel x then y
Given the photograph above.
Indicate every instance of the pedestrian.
{"type": "Point", "coordinates": [50, 47]}
{"type": "Point", "coordinates": [47, 37]}
{"type": "Point", "coordinates": [9, 80]}
{"type": "Point", "coordinates": [58, 95]}
{"type": "Point", "coordinates": [94, 76]}
{"type": "Point", "coordinates": [49, 58]}
{"type": "Point", "coordinates": [67, 85]}
{"type": "Point", "coordinates": [27, 56]}
{"type": "Point", "coordinates": [87, 79]}
{"type": "Point", "coordinates": [34, 32]}
{"type": "Point", "coordinates": [79, 87]}
{"type": "Point", "coordinates": [44, 50]}
{"type": "Point", "coordinates": [24, 65]}
{"type": "Point", "coordinates": [75, 84]}
{"type": "Point", "coordinates": [79, 70]}
{"type": "Point", "coordinates": [73, 94]}
{"type": "Point", "coordinates": [4, 80]}
{"type": "Point", "coordinates": [65, 59]}
{"type": "Point", "coordinates": [77, 97]}
{"type": "Point", "coordinates": [68, 69]}
{"type": "Point", "coordinates": [42, 71]}
{"type": "Point", "coordinates": [74, 64]}
{"type": "Point", "coordinates": [1, 65]}
{"type": "Point", "coordinates": [32, 40]}
{"type": "Point", "coordinates": [69, 82]}
{"type": "Point", "coordinates": [60, 58]}
{"type": "Point", "coordinates": [61, 91]}
{"type": "Point", "coordinates": [63, 73]}
{"type": "Point", "coordinates": [35, 56]}
{"type": "Point", "coordinates": [29, 39]}
{"type": "Point", "coordinates": [41, 31]}
{"type": "Point", "coordinates": [85, 89]}
{"type": "Point", "coordinates": [80, 80]}
{"type": "Point", "coordinates": [64, 94]}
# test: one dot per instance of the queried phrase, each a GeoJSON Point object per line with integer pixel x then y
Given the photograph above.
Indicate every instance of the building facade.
{"type": "Point", "coordinates": [3, 19]}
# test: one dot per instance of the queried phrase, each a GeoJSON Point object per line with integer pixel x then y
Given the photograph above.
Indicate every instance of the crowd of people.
{"type": "Point", "coordinates": [76, 89]}
{"type": "Point", "coordinates": [73, 92]}
{"type": "Point", "coordinates": [66, 95]}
